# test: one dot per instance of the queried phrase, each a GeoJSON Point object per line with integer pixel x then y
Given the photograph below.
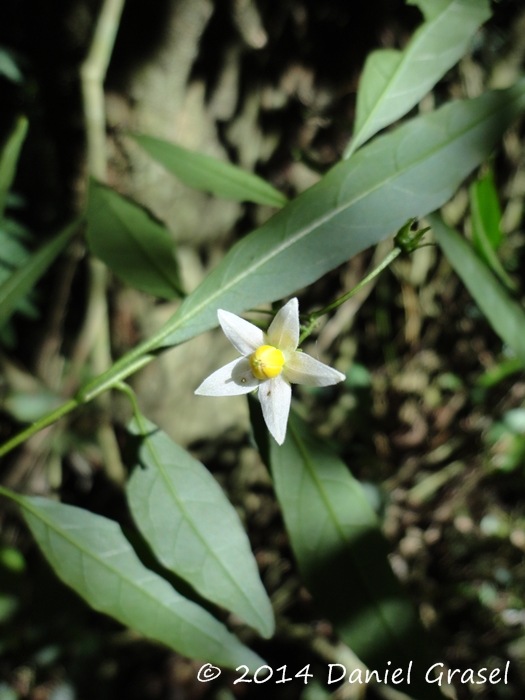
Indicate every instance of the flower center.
{"type": "Point", "coordinates": [266, 362]}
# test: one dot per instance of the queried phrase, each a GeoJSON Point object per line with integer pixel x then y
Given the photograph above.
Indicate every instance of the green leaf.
{"type": "Point", "coordinates": [404, 174]}
{"type": "Point", "coordinates": [193, 529]}
{"type": "Point", "coordinates": [20, 282]}
{"type": "Point", "coordinates": [12, 252]}
{"type": "Point", "coordinates": [500, 372]}
{"type": "Point", "coordinates": [505, 316]}
{"type": "Point", "coordinates": [136, 247]}
{"type": "Point", "coordinates": [486, 210]}
{"type": "Point", "coordinates": [210, 174]}
{"type": "Point", "coordinates": [486, 218]}
{"type": "Point", "coordinates": [395, 81]}
{"type": "Point", "coordinates": [342, 555]}
{"type": "Point", "coordinates": [91, 554]}
{"type": "Point", "coordinates": [8, 67]}
{"type": "Point", "coordinates": [9, 159]}
{"type": "Point", "coordinates": [14, 228]}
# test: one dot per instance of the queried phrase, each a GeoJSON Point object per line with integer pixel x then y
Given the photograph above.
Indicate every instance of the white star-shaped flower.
{"type": "Point", "coordinates": [270, 362]}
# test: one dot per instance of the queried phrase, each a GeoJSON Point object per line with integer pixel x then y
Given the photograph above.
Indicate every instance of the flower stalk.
{"type": "Point", "coordinates": [406, 241]}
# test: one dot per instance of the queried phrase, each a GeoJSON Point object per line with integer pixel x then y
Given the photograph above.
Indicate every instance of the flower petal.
{"type": "Point", "coordinates": [283, 332]}
{"type": "Point", "coordinates": [233, 379]}
{"type": "Point", "coordinates": [243, 335]}
{"type": "Point", "coordinates": [304, 369]}
{"type": "Point", "coordinates": [275, 396]}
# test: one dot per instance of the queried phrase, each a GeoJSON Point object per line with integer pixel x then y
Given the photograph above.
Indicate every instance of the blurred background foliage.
{"type": "Point", "coordinates": [431, 417]}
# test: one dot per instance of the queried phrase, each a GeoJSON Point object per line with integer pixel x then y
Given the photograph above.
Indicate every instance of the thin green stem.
{"type": "Point", "coordinates": [120, 370]}
{"type": "Point", "coordinates": [38, 425]}
{"type": "Point", "coordinates": [10, 494]}
{"type": "Point", "coordinates": [146, 351]}
{"type": "Point", "coordinates": [86, 394]}
{"type": "Point", "coordinates": [126, 389]}
{"type": "Point", "coordinates": [93, 73]}
{"type": "Point", "coordinates": [376, 271]}
{"type": "Point", "coordinates": [142, 355]}
{"type": "Point", "coordinates": [127, 365]}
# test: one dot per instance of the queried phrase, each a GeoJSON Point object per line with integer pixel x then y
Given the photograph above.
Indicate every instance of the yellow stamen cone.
{"type": "Point", "coordinates": [266, 362]}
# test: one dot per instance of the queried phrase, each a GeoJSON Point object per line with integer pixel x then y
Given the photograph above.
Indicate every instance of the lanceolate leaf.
{"type": "Point", "coordinates": [401, 175]}
{"type": "Point", "coordinates": [203, 172]}
{"type": "Point", "coordinates": [22, 280]}
{"type": "Point", "coordinates": [486, 218]}
{"type": "Point", "coordinates": [359, 202]}
{"type": "Point", "coordinates": [91, 554]}
{"type": "Point", "coordinates": [194, 530]}
{"type": "Point", "coordinates": [394, 81]}
{"type": "Point", "coordinates": [9, 159]}
{"type": "Point", "coordinates": [342, 555]}
{"type": "Point", "coordinates": [496, 374]}
{"type": "Point", "coordinates": [137, 248]}
{"type": "Point", "coordinates": [8, 67]}
{"type": "Point", "coordinates": [13, 252]}
{"type": "Point", "coordinates": [484, 198]}
{"type": "Point", "coordinates": [505, 315]}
